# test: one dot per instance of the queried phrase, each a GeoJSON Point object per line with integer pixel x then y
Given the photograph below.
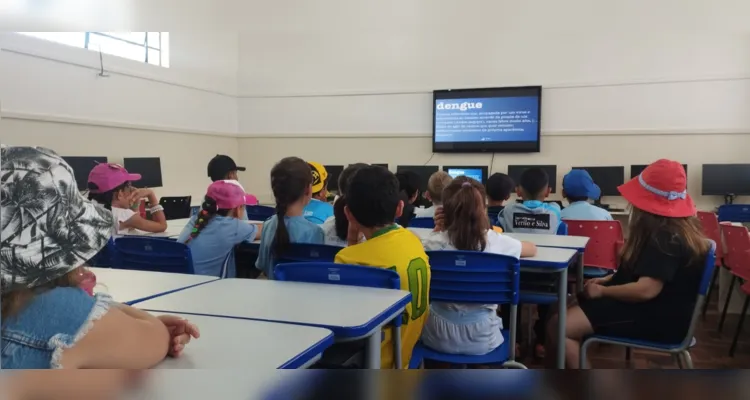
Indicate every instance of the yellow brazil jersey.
{"type": "Point", "coordinates": [400, 250]}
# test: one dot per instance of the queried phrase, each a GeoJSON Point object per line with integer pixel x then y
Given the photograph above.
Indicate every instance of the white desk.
{"type": "Point", "coordinates": [126, 286]}
{"type": "Point", "coordinates": [350, 312]}
{"type": "Point", "coordinates": [229, 343]}
{"type": "Point", "coordinates": [562, 241]}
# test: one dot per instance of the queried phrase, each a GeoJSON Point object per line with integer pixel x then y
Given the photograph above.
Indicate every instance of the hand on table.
{"type": "Point", "coordinates": [181, 331]}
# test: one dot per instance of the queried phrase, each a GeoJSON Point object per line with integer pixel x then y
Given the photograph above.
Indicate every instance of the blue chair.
{"type": "Point", "coordinates": [350, 275]}
{"type": "Point", "coordinates": [734, 213]}
{"type": "Point", "coordinates": [152, 254]}
{"type": "Point", "coordinates": [103, 259]}
{"type": "Point", "coordinates": [680, 351]}
{"type": "Point", "coordinates": [482, 278]}
{"type": "Point", "coordinates": [305, 252]}
{"type": "Point", "coordinates": [422, 222]}
{"type": "Point", "coordinates": [259, 213]}
{"type": "Point", "coordinates": [562, 229]}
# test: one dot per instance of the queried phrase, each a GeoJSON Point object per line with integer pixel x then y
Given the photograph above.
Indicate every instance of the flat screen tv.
{"type": "Point", "coordinates": [493, 120]}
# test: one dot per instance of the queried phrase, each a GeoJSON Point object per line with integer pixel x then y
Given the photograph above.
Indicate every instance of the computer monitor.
{"type": "Point", "coordinates": [333, 176]}
{"type": "Point", "coordinates": [515, 171]}
{"type": "Point", "coordinates": [381, 165]}
{"type": "Point", "coordinates": [607, 178]}
{"type": "Point", "coordinates": [635, 170]}
{"type": "Point", "coordinates": [424, 172]}
{"type": "Point", "coordinates": [148, 167]}
{"type": "Point", "coordinates": [82, 166]}
{"type": "Point", "coordinates": [726, 179]}
{"type": "Point", "coordinates": [476, 172]}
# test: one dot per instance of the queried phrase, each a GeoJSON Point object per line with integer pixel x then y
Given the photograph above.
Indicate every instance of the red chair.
{"type": "Point", "coordinates": [737, 259]}
{"type": "Point", "coordinates": [710, 225]}
{"type": "Point", "coordinates": [605, 241]}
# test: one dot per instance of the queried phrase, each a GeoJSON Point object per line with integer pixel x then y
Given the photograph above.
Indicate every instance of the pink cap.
{"type": "Point", "coordinates": [108, 176]}
{"type": "Point", "coordinates": [230, 194]}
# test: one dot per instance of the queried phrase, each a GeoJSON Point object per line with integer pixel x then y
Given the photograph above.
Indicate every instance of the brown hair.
{"type": "Point", "coordinates": [465, 214]}
{"type": "Point", "coordinates": [647, 228]}
{"type": "Point", "coordinates": [290, 177]}
{"type": "Point", "coordinates": [14, 301]}
{"type": "Point", "coordinates": [436, 184]}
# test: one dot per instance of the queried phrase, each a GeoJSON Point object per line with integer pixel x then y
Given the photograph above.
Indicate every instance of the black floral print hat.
{"type": "Point", "coordinates": [48, 227]}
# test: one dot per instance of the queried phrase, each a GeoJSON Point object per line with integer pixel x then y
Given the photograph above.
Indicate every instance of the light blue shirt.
{"type": "Point", "coordinates": [583, 210]}
{"type": "Point", "coordinates": [318, 211]}
{"type": "Point", "coordinates": [300, 231]}
{"type": "Point", "coordinates": [217, 240]}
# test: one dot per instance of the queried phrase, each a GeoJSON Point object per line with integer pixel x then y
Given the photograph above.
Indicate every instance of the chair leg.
{"type": "Point", "coordinates": [678, 359]}
{"type": "Point", "coordinates": [582, 359]}
{"type": "Point", "coordinates": [627, 354]}
{"type": "Point", "coordinates": [739, 327]}
{"type": "Point", "coordinates": [726, 303]}
{"type": "Point", "coordinates": [688, 359]}
{"type": "Point", "coordinates": [710, 291]}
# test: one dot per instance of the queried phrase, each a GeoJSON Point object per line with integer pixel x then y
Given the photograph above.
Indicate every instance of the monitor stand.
{"type": "Point", "coordinates": [729, 198]}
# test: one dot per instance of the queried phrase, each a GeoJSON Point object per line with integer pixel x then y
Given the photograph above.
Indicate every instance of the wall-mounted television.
{"type": "Point", "coordinates": [493, 120]}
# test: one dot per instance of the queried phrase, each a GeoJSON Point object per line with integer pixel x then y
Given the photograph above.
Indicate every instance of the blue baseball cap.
{"type": "Point", "coordinates": [578, 183]}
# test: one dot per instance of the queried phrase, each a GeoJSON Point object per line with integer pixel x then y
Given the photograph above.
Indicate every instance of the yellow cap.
{"type": "Point", "coordinates": [319, 174]}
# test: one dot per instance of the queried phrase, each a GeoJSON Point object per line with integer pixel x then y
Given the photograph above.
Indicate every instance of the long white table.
{"type": "Point", "coordinates": [130, 287]}
{"type": "Point", "coordinates": [351, 312]}
{"type": "Point", "coordinates": [230, 343]}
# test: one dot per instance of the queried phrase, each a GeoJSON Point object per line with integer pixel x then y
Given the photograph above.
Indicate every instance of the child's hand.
{"type": "Point", "coordinates": [439, 219]}
{"type": "Point", "coordinates": [140, 194]}
{"type": "Point", "coordinates": [593, 290]}
{"type": "Point", "coordinates": [181, 331]}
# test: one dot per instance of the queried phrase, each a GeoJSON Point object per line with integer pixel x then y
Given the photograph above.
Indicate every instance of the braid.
{"type": "Point", "coordinates": [208, 210]}
{"type": "Point", "coordinates": [290, 178]}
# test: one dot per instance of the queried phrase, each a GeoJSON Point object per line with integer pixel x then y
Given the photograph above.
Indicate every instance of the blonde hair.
{"type": "Point", "coordinates": [436, 184]}
{"type": "Point", "coordinates": [14, 301]}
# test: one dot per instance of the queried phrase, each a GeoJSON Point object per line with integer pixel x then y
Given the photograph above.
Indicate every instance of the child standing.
{"type": "Point", "coordinates": [373, 203]}
{"type": "Point", "coordinates": [111, 186]}
{"type": "Point", "coordinates": [578, 189]}
{"type": "Point", "coordinates": [291, 183]}
{"type": "Point", "coordinates": [435, 185]}
{"type": "Point", "coordinates": [218, 227]}
{"type": "Point", "coordinates": [318, 210]}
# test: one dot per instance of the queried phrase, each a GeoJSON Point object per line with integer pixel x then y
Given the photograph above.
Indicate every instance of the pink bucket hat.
{"type": "Point", "coordinates": [229, 194]}
{"type": "Point", "coordinates": [108, 176]}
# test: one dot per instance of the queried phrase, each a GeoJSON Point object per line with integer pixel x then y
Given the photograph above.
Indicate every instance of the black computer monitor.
{"type": "Point", "coordinates": [381, 165]}
{"type": "Point", "coordinates": [636, 169]}
{"type": "Point", "coordinates": [333, 176]}
{"type": "Point", "coordinates": [148, 167]}
{"type": "Point", "coordinates": [476, 172]}
{"type": "Point", "coordinates": [607, 178]}
{"type": "Point", "coordinates": [726, 179]}
{"type": "Point", "coordinates": [424, 172]}
{"type": "Point", "coordinates": [515, 171]}
{"type": "Point", "coordinates": [82, 166]}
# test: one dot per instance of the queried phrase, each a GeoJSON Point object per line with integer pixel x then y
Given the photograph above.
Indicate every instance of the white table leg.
{"type": "Point", "coordinates": [562, 295]}
{"type": "Point", "coordinates": [373, 349]}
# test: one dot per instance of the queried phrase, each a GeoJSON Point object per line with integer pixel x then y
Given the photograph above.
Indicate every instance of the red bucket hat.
{"type": "Point", "coordinates": [660, 189]}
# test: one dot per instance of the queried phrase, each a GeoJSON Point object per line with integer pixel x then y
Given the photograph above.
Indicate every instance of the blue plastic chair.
{"type": "Point", "coordinates": [152, 254]}
{"type": "Point", "coordinates": [350, 275]}
{"type": "Point", "coordinates": [734, 213]}
{"type": "Point", "coordinates": [481, 278]}
{"type": "Point", "coordinates": [103, 259]}
{"type": "Point", "coordinates": [562, 229]}
{"type": "Point", "coordinates": [259, 213]}
{"type": "Point", "coordinates": [680, 351]}
{"type": "Point", "coordinates": [422, 222]}
{"type": "Point", "coordinates": [305, 252]}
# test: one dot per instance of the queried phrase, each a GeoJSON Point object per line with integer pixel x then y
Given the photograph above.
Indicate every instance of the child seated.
{"type": "Point", "coordinates": [373, 203]}
{"type": "Point", "coordinates": [408, 182]}
{"type": "Point", "coordinates": [110, 185]}
{"type": "Point", "coordinates": [318, 210]}
{"type": "Point", "coordinates": [223, 167]}
{"type": "Point", "coordinates": [435, 185]}
{"type": "Point", "coordinates": [499, 187]}
{"type": "Point", "coordinates": [291, 183]}
{"type": "Point", "coordinates": [336, 228]}
{"type": "Point", "coordinates": [578, 189]}
{"type": "Point", "coordinates": [218, 227]}
{"type": "Point", "coordinates": [472, 329]}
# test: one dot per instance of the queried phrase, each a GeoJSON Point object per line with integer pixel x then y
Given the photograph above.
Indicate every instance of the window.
{"type": "Point", "coordinates": [148, 47]}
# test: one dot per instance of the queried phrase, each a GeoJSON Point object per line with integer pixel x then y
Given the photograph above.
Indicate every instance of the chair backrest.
{"type": "Point", "coordinates": [176, 207]}
{"type": "Point", "coordinates": [562, 229]}
{"type": "Point", "coordinates": [305, 252]}
{"type": "Point", "coordinates": [734, 213]}
{"type": "Point", "coordinates": [259, 213]}
{"type": "Point", "coordinates": [710, 224]}
{"type": "Point", "coordinates": [605, 241]}
{"type": "Point", "coordinates": [422, 222]}
{"type": "Point", "coordinates": [103, 259]}
{"type": "Point", "coordinates": [473, 277]}
{"type": "Point", "coordinates": [338, 274]}
{"type": "Point", "coordinates": [152, 254]}
{"type": "Point", "coordinates": [708, 270]}
{"type": "Point", "coordinates": [737, 257]}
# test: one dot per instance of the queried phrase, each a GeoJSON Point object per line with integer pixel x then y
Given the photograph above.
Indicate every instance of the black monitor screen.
{"type": "Point", "coordinates": [333, 175]}
{"type": "Point", "coordinates": [424, 172]}
{"type": "Point", "coordinates": [381, 165]}
{"type": "Point", "coordinates": [148, 167]}
{"type": "Point", "coordinates": [475, 172]}
{"type": "Point", "coordinates": [721, 179]}
{"type": "Point", "coordinates": [635, 170]}
{"type": "Point", "coordinates": [81, 168]}
{"type": "Point", "coordinates": [515, 171]}
{"type": "Point", "coordinates": [607, 178]}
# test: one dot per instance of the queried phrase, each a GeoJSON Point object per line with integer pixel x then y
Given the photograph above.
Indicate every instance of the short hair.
{"type": "Point", "coordinates": [533, 182]}
{"type": "Point", "coordinates": [409, 182]}
{"type": "Point", "coordinates": [574, 199]}
{"type": "Point", "coordinates": [436, 184]}
{"type": "Point", "coordinates": [373, 196]}
{"type": "Point", "coordinates": [500, 186]}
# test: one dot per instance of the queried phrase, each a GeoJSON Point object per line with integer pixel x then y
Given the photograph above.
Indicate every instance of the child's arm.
{"type": "Point", "coordinates": [528, 249]}
{"type": "Point", "coordinates": [156, 225]}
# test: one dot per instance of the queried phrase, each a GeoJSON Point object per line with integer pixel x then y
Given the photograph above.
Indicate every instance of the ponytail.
{"type": "Point", "coordinates": [209, 209]}
{"type": "Point", "coordinates": [466, 219]}
{"type": "Point", "coordinates": [290, 178]}
{"type": "Point", "coordinates": [281, 239]}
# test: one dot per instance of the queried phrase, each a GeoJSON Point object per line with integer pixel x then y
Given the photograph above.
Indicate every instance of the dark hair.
{"type": "Point", "coordinates": [534, 181]}
{"type": "Point", "coordinates": [105, 198]}
{"type": "Point", "coordinates": [341, 223]}
{"type": "Point", "coordinates": [409, 183]}
{"type": "Point", "coordinates": [466, 220]}
{"type": "Point", "coordinates": [500, 186]}
{"type": "Point", "coordinates": [208, 210]}
{"type": "Point", "coordinates": [373, 196]}
{"type": "Point", "coordinates": [290, 177]}
{"type": "Point", "coordinates": [573, 199]}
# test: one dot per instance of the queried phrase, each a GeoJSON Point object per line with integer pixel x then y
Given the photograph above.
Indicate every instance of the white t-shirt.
{"type": "Point", "coordinates": [497, 243]}
{"type": "Point", "coordinates": [122, 215]}
{"type": "Point", "coordinates": [329, 231]}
